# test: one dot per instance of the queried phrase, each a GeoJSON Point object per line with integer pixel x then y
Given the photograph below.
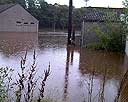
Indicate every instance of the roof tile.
{"type": "Point", "coordinates": [102, 14]}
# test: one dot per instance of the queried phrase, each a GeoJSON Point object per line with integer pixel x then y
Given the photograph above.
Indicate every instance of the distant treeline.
{"type": "Point", "coordinates": [50, 16]}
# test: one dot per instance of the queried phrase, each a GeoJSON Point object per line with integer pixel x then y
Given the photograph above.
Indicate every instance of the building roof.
{"type": "Point", "coordinates": [95, 14]}
{"type": "Point", "coordinates": [5, 7]}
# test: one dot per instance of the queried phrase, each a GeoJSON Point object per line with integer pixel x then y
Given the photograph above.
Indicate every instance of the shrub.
{"type": "Point", "coordinates": [25, 85]}
{"type": "Point", "coordinates": [5, 77]}
{"type": "Point", "coordinates": [113, 39]}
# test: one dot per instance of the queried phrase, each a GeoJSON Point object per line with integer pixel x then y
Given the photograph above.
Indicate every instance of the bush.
{"type": "Point", "coordinates": [113, 39]}
{"type": "Point", "coordinates": [25, 85]}
{"type": "Point", "coordinates": [5, 77]}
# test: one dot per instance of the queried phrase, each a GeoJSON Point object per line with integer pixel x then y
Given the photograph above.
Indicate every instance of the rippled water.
{"type": "Point", "coordinates": [77, 74]}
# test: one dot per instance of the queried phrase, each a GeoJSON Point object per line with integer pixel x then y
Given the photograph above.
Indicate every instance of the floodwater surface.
{"type": "Point", "coordinates": [77, 74]}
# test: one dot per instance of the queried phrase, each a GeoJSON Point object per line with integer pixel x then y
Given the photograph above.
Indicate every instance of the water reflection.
{"type": "Point", "coordinates": [11, 43]}
{"type": "Point", "coordinates": [124, 93]}
{"type": "Point", "coordinates": [69, 60]}
{"type": "Point", "coordinates": [66, 75]}
{"type": "Point", "coordinates": [52, 42]}
{"type": "Point", "coordinates": [113, 62]}
{"type": "Point", "coordinates": [103, 70]}
{"type": "Point", "coordinates": [80, 75]}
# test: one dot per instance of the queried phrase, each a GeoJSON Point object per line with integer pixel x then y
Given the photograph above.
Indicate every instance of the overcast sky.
{"type": "Point", "coordinates": [93, 3]}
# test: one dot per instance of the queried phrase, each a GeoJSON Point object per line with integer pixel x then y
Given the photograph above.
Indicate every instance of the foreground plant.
{"type": "Point", "coordinates": [5, 77]}
{"type": "Point", "coordinates": [41, 90]}
{"type": "Point", "coordinates": [121, 87]}
{"type": "Point", "coordinates": [27, 81]}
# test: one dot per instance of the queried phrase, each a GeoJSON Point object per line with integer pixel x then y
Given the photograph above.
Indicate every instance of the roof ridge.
{"type": "Point", "coordinates": [4, 7]}
{"type": "Point", "coordinates": [104, 7]}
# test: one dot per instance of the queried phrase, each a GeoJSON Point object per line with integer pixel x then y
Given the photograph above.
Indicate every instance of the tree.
{"type": "Point", "coordinates": [31, 3]}
{"type": "Point", "coordinates": [63, 16]}
{"type": "Point", "coordinates": [22, 3]}
{"type": "Point", "coordinates": [7, 1]}
{"type": "Point", "coordinates": [110, 34]}
{"type": "Point", "coordinates": [78, 15]}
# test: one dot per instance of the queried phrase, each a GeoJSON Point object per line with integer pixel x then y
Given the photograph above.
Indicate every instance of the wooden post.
{"type": "Point", "coordinates": [70, 21]}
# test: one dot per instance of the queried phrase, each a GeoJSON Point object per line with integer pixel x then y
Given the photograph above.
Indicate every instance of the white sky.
{"type": "Point", "coordinates": [93, 3]}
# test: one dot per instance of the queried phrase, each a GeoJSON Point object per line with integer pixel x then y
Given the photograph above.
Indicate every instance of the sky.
{"type": "Point", "coordinates": [93, 3]}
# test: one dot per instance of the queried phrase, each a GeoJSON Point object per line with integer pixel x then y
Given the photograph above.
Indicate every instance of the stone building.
{"type": "Point", "coordinates": [14, 18]}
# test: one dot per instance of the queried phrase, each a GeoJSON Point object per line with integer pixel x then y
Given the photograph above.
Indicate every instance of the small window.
{"type": "Point", "coordinates": [32, 23]}
{"type": "Point", "coordinates": [25, 22]}
{"type": "Point", "coordinates": [18, 22]}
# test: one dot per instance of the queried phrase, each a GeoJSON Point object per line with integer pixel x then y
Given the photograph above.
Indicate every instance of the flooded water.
{"type": "Point", "coordinates": [77, 74]}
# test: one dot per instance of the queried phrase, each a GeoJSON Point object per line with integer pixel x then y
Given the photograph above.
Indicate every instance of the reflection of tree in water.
{"type": "Point", "coordinates": [100, 60]}
{"type": "Point", "coordinates": [122, 95]}
{"type": "Point", "coordinates": [102, 89]}
{"type": "Point", "coordinates": [91, 97]}
{"type": "Point", "coordinates": [105, 66]}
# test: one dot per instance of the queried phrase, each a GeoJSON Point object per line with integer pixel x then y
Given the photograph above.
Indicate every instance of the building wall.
{"type": "Point", "coordinates": [17, 19]}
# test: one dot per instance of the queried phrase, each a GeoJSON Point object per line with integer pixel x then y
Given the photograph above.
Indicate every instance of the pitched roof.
{"type": "Point", "coordinates": [5, 7]}
{"type": "Point", "coordinates": [94, 14]}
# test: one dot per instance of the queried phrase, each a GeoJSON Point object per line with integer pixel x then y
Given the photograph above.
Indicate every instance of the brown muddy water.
{"type": "Point", "coordinates": [77, 74]}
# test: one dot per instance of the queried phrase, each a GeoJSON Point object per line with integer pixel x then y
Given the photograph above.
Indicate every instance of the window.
{"type": "Point", "coordinates": [25, 22]}
{"type": "Point", "coordinates": [32, 23]}
{"type": "Point", "coordinates": [18, 22]}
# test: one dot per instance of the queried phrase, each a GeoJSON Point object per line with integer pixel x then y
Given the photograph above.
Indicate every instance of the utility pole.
{"type": "Point", "coordinates": [86, 2]}
{"type": "Point", "coordinates": [70, 21]}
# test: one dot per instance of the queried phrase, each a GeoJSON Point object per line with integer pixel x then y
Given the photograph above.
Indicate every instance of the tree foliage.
{"type": "Point", "coordinates": [112, 39]}
{"type": "Point", "coordinates": [50, 15]}
{"type": "Point", "coordinates": [7, 1]}
{"type": "Point", "coordinates": [125, 17]}
{"type": "Point", "coordinates": [21, 2]}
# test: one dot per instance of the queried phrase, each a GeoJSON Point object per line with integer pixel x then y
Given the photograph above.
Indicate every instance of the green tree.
{"type": "Point", "coordinates": [125, 17]}
{"type": "Point", "coordinates": [78, 16]}
{"type": "Point", "coordinates": [22, 3]}
{"type": "Point", "coordinates": [42, 4]}
{"type": "Point", "coordinates": [110, 34]}
{"type": "Point", "coordinates": [63, 16]}
{"type": "Point", "coordinates": [31, 4]}
{"type": "Point", "coordinates": [7, 1]}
